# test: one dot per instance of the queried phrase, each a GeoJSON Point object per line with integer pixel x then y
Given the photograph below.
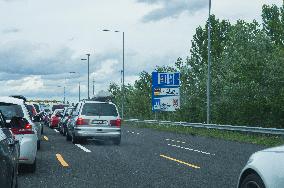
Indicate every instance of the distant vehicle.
{"type": "Point", "coordinates": [67, 114]}
{"type": "Point", "coordinates": [264, 169]}
{"type": "Point", "coordinates": [9, 154]}
{"type": "Point", "coordinates": [58, 106]}
{"type": "Point", "coordinates": [55, 118]}
{"type": "Point", "coordinates": [22, 127]}
{"type": "Point", "coordinates": [96, 120]}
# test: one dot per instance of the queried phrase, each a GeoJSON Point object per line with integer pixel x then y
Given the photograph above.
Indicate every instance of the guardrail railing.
{"type": "Point", "coordinates": [261, 130]}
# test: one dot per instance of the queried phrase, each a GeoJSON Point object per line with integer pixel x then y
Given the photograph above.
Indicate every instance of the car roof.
{"type": "Point", "coordinates": [91, 101]}
{"type": "Point", "coordinates": [12, 100]}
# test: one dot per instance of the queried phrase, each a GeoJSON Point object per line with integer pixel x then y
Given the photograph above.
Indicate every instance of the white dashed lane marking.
{"type": "Point", "coordinates": [190, 149]}
{"type": "Point", "coordinates": [178, 141]}
{"type": "Point", "coordinates": [83, 148]}
{"type": "Point", "coordinates": [56, 130]}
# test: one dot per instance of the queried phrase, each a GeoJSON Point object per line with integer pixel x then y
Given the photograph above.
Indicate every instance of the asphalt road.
{"type": "Point", "coordinates": [145, 158]}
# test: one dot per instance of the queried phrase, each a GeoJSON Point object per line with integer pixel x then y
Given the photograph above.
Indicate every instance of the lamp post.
{"type": "Point", "coordinates": [63, 93]}
{"type": "Point", "coordinates": [88, 55]}
{"type": "Point", "coordinates": [209, 65]}
{"type": "Point", "coordinates": [123, 71]}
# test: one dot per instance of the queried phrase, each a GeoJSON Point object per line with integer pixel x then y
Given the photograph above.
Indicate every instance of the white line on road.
{"type": "Point", "coordinates": [138, 133]}
{"type": "Point", "coordinates": [83, 148]}
{"type": "Point", "coordinates": [56, 130]}
{"type": "Point", "coordinates": [189, 149]}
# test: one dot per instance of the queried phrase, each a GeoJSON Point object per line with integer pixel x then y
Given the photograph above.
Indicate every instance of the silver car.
{"type": "Point", "coordinates": [95, 120]}
{"type": "Point", "coordinates": [16, 114]}
{"type": "Point", "coordinates": [264, 169]}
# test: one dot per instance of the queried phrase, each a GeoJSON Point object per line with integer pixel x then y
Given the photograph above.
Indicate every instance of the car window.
{"type": "Point", "coordinates": [37, 108]}
{"type": "Point", "coordinates": [11, 110]}
{"type": "Point", "coordinates": [2, 121]}
{"type": "Point", "coordinates": [99, 109]}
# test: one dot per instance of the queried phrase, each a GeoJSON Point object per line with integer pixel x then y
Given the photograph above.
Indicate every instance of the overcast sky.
{"type": "Point", "coordinates": [41, 41]}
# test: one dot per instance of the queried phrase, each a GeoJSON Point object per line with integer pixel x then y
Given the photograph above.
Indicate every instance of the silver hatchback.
{"type": "Point", "coordinates": [95, 120]}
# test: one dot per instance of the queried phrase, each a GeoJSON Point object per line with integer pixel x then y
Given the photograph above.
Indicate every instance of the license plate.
{"type": "Point", "coordinates": [99, 122]}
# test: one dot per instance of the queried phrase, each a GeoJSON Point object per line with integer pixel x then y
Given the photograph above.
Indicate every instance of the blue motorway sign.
{"type": "Point", "coordinates": [165, 91]}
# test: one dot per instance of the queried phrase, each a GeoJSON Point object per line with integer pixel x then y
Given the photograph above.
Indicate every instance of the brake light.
{"type": "Point", "coordinates": [81, 121]}
{"type": "Point", "coordinates": [116, 123]}
{"type": "Point", "coordinates": [27, 129]}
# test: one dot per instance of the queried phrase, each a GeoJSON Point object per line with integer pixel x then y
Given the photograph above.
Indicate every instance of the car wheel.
{"type": "Point", "coordinates": [252, 181]}
{"type": "Point", "coordinates": [117, 141]}
{"type": "Point", "coordinates": [63, 132]}
{"type": "Point", "coordinates": [38, 145]}
{"type": "Point", "coordinates": [68, 137]}
{"type": "Point", "coordinates": [32, 167]}
{"type": "Point", "coordinates": [75, 140]}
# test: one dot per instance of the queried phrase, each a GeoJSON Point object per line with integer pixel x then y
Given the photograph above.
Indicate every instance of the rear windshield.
{"type": "Point", "coordinates": [58, 106]}
{"type": "Point", "coordinates": [99, 109]}
{"type": "Point", "coordinates": [11, 110]}
{"type": "Point", "coordinates": [30, 110]}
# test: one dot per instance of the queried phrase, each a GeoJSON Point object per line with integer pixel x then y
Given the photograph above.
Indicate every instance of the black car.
{"type": "Point", "coordinates": [9, 154]}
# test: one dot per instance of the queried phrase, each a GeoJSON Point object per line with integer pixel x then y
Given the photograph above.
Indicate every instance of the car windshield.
{"type": "Point", "coordinates": [36, 108]}
{"type": "Point", "coordinates": [11, 110]}
{"type": "Point", "coordinates": [99, 109]}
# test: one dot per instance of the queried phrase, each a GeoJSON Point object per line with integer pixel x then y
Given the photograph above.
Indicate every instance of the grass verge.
{"type": "Point", "coordinates": [252, 138]}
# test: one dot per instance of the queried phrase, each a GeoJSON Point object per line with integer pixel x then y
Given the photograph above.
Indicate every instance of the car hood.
{"type": "Point", "coordinates": [278, 149]}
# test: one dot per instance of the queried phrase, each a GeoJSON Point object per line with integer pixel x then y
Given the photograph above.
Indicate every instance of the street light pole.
{"type": "Point", "coordinates": [93, 86]}
{"type": "Point", "coordinates": [79, 91]}
{"type": "Point", "coordinates": [209, 65]}
{"type": "Point", "coordinates": [123, 73]}
{"type": "Point", "coordinates": [88, 75]}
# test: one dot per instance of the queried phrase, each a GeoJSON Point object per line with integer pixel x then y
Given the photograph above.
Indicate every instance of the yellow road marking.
{"type": "Point", "coordinates": [45, 137]}
{"type": "Point", "coordinates": [181, 162]}
{"type": "Point", "coordinates": [61, 160]}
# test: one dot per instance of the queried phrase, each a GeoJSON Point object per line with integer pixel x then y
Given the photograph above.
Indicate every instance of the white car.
{"type": "Point", "coordinates": [16, 115]}
{"type": "Point", "coordinates": [95, 120]}
{"type": "Point", "coordinates": [264, 169]}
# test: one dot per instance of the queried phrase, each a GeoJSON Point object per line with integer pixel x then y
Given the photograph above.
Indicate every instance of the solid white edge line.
{"type": "Point", "coordinates": [83, 148]}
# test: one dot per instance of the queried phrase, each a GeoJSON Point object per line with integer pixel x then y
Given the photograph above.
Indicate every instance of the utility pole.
{"type": "Point", "coordinates": [209, 65]}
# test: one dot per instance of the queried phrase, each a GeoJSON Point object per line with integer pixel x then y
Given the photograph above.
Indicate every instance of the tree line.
{"type": "Point", "coordinates": [247, 75]}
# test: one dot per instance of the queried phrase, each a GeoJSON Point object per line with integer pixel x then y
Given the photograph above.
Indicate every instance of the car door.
{"type": "Point", "coordinates": [6, 160]}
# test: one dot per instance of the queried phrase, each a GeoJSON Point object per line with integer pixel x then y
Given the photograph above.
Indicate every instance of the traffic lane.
{"type": "Point", "coordinates": [50, 172]}
{"type": "Point", "coordinates": [138, 162]}
{"type": "Point", "coordinates": [131, 165]}
{"type": "Point", "coordinates": [221, 161]}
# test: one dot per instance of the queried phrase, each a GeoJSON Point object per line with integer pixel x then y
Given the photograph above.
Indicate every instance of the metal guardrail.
{"type": "Point", "coordinates": [261, 130]}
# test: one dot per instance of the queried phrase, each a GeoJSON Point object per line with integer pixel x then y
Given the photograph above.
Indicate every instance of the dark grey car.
{"type": "Point", "coordinates": [9, 153]}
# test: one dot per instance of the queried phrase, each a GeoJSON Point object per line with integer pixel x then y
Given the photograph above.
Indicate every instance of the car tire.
{"type": "Point", "coordinates": [68, 137]}
{"type": "Point", "coordinates": [63, 132]}
{"type": "Point", "coordinates": [117, 141]}
{"type": "Point", "coordinates": [38, 145]}
{"type": "Point", "coordinates": [252, 180]}
{"type": "Point", "coordinates": [32, 167]}
{"type": "Point", "coordinates": [74, 139]}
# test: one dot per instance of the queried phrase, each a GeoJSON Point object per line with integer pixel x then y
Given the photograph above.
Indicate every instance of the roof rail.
{"type": "Point", "coordinates": [19, 97]}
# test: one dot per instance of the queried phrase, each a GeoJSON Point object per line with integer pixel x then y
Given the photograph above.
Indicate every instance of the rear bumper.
{"type": "Point", "coordinates": [97, 133]}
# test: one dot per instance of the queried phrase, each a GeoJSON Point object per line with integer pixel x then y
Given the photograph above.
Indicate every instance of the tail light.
{"type": "Point", "coordinates": [81, 121]}
{"type": "Point", "coordinates": [116, 123]}
{"type": "Point", "coordinates": [27, 129]}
